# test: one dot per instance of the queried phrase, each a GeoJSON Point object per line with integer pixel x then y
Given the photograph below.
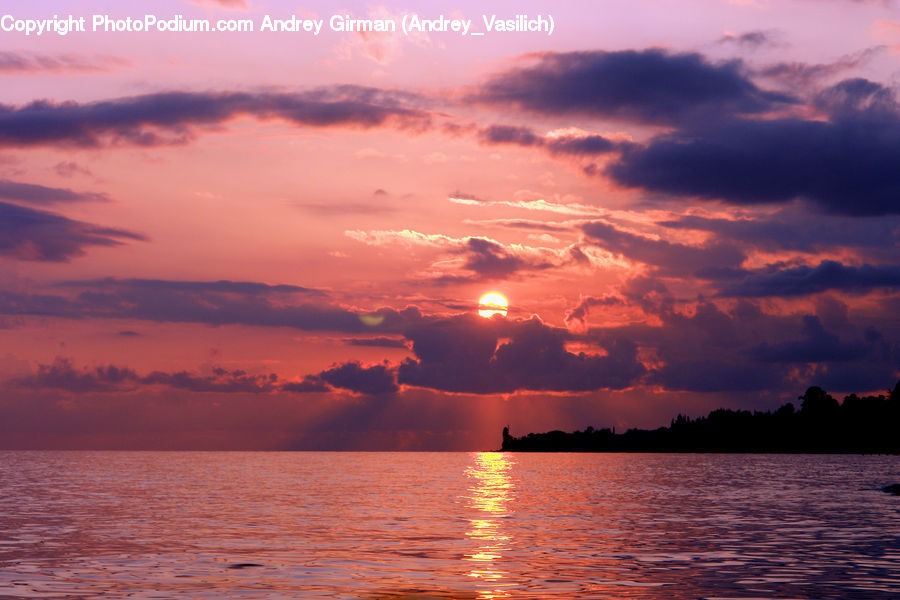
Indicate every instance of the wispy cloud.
{"type": "Point", "coordinates": [26, 63]}
{"type": "Point", "coordinates": [527, 202]}
{"type": "Point", "coordinates": [37, 235]}
{"type": "Point", "coordinates": [476, 258]}
{"type": "Point", "coordinates": [32, 193]}
{"type": "Point", "coordinates": [173, 117]}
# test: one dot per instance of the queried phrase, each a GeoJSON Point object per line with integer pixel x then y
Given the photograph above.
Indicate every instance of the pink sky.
{"type": "Point", "coordinates": [688, 205]}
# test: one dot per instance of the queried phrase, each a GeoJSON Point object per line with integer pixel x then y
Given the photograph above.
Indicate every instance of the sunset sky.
{"type": "Point", "coordinates": [278, 240]}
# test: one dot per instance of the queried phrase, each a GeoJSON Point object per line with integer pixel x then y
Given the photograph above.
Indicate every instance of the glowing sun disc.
{"type": "Point", "coordinates": [492, 304]}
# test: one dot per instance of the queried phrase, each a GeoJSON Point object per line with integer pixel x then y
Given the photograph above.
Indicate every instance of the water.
{"type": "Point", "coordinates": [447, 525]}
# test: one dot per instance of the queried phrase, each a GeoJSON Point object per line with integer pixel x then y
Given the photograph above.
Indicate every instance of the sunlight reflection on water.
{"type": "Point", "coordinates": [490, 495]}
{"type": "Point", "coordinates": [457, 526]}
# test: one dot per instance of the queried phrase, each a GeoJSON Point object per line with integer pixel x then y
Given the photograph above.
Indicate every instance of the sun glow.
{"type": "Point", "coordinates": [492, 304]}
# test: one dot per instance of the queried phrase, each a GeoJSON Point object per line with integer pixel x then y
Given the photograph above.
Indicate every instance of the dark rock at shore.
{"type": "Point", "coordinates": [894, 489]}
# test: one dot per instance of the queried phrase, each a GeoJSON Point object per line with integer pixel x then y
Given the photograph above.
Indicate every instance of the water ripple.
{"type": "Point", "coordinates": [426, 526]}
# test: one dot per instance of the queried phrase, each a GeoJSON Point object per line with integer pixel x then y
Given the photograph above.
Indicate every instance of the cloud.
{"type": "Point", "coordinates": [466, 354]}
{"type": "Point", "coordinates": [343, 208]}
{"type": "Point", "coordinates": [206, 302]}
{"type": "Point", "coordinates": [798, 230]}
{"type": "Point", "coordinates": [530, 201]}
{"type": "Point", "coordinates": [708, 349]}
{"type": "Point", "coordinates": [578, 315]}
{"type": "Point", "coordinates": [489, 259]}
{"type": "Point", "coordinates": [717, 375]}
{"type": "Point", "coordinates": [377, 342]}
{"type": "Point", "coordinates": [846, 166]}
{"type": "Point", "coordinates": [372, 380]}
{"type": "Point", "coordinates": [859, 98]}
{"type": "Point", "coordinates": [171, 117]}
{"type": "Point", "coordinates": [580, 145]}
{"type": "Point", "coordinates": [817, 345]}
{"type": "Point", "coordinates": [525, 224]}
{"type": "Point", "coordinates": [384, 48]}
{"type": "Point", "coordinates": [248, 288]}
{"type": "Point", "coordinates": [712, 260]}
{"type": "Point", "coordinates": [510, 134]}
{"type": "Point", "coordinates": [570, 144]}
{"type": "Point", "coordinates": [647, 86]}
{"type": "Point", "coordinates": [32, 193]}
{"type": "Point", "coordinates": [309, 384]}
{"type": "Point", "coordinates": [860, 365]}
{"type": "Point", "coordinates": [221, 380]}
{"type": "Point", "coordinates": [480, 258]}
{"type": "Point", "coordinates": [749, 39]}
{"type": "Point", "coordinates": [64, 376]}
{"type": "Point", "coordinates": [69, 168]}
{"type": "Point", "coordinates": [29, 234]}
{"type": "Point", "coordinates": [805, 280]}
{"type": "Point", "coordinates": [26, 63]}
{"type": "Point", "coordinates": [406, 237]}
{"type": "Point", "coordinates": [807, 75]}
{"type": "Point", "coordinates": [705, 349]}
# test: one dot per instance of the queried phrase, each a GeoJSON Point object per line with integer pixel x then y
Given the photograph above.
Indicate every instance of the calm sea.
{"type": "Point", "coordinates": [447, 525]}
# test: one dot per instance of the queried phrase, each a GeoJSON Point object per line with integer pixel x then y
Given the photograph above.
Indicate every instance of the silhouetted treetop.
{"type": "Point", "coordinates": [817, 401]}
{"type": "Point", "coordinates": [858, 424]}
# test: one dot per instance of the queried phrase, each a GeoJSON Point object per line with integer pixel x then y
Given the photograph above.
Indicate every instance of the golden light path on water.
{"type": "Point", "coordinates": [490, 494]}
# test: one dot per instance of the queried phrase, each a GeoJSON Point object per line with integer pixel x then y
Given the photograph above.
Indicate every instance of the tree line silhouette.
{"type": "Point", "coordinates": [868, 424]}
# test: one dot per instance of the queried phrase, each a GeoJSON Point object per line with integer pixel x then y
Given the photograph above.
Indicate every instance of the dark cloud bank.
{"type": "Point", "coordinates": [739, 352]}
{"type": "Point", "coordinates": [731, 141]}
{"type": "Point", "coordinates": [719, 149]}
{"type": "Point", "coordinates": [465, 354]}
{"type": "Point", "coordinates": [648, 86]}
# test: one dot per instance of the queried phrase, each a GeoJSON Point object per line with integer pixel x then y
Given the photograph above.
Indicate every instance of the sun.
{"type": "Point", "coordinates": [492, 304]}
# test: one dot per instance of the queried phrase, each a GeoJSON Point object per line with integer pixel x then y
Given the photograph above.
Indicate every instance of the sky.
{"type": "Point", "coordinates": [276, 240]}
